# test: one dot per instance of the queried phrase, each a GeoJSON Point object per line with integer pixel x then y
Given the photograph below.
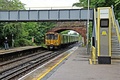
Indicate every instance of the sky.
{"type": "Point", "coordinates": [48, 3]}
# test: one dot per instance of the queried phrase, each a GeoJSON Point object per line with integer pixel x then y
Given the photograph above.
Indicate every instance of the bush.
{"type": "Point", "coordinates": [23, 42]}
{"type": "Point", "coordinates": [43, 45]}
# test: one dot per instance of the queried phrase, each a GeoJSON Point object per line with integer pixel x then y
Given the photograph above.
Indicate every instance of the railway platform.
{"type": "Point", "coordinates": [3, 51]}
{"type": "Point", "coordinates": [75, 66]}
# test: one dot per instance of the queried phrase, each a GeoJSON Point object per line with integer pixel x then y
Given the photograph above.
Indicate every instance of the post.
{"type": "Point", "coordinates": [12, 41]}
{"type": "Point", "coordinates": [88, 30]}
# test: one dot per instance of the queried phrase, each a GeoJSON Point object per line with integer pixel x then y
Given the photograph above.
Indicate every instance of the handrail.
{"type": "Point", "coordinates": [110, 27]}
{"type": "Point", "coordinates": [113, 16]}
{"type": "Point", "coordinates": [116, 25]}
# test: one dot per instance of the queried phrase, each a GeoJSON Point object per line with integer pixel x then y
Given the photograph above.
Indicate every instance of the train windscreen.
{"type": "Point", "coordinates": [51, 36]}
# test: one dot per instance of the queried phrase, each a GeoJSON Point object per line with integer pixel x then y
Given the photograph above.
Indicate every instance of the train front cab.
{"type": "Point", "coordinates": [52, 40]}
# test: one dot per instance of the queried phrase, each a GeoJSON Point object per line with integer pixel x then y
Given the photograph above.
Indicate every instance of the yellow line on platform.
{"type": "Point", "coordinates": [50, 69]}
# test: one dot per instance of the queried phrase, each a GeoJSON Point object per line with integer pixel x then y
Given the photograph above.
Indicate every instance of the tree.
{"type": "Point", "coordinates": [43, 27]}
{"type": "Point", "coordinates": [95, 3]}
{"type": "Point", "coordinates": [81, 3]}
{"type": "Point", "coordinates": [11, 5]}
{"type": "Point", "coordinates": [6, 28]}
{"type": "Point", "coordinates": [117, 2]}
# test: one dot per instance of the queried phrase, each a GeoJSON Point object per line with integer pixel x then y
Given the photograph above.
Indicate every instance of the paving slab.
{"type": "Point", "coordinates": [77, 67]}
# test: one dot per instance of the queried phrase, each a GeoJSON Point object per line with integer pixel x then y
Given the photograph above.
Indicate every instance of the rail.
{"type": "Point", "coordinates": [25, 66]}
{"type": "Point", "coordinates": [18, 67]}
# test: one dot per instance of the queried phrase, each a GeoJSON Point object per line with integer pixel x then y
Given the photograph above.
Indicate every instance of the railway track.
{"type": "Point", "coordinates": [16, 53]}
{"type": "Point", "coordinates": [24, 67]}
{"type": "Point", "coordinates": [17, 61]}
{"type": "Point", "coordinates": [15, 68]}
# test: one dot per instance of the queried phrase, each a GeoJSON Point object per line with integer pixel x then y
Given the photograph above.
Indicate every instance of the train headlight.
{"type": "Point", "coordinates": [56, 43]}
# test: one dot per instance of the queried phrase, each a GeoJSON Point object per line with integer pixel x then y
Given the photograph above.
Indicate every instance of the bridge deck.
{"type": "Point", "coordinates": [45, 15]}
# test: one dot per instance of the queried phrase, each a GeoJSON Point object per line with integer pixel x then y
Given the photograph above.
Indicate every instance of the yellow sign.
{"type": "Point", "coordinates": [104, 33]}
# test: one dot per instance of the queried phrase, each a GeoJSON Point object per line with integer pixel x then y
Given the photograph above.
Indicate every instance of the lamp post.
{"type": "Point", "coordinates": [88, 30]}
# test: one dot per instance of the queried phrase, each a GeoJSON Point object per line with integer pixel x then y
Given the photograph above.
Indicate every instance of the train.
{"type": "Point", "coordinates": [54, 40]}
